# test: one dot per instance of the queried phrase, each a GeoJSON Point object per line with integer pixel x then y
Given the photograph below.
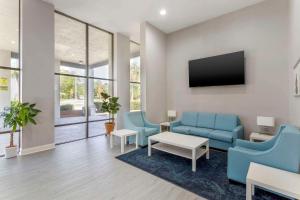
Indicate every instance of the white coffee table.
{"type": "Point", "coordinates": [187, 146]}
{"type": "Point", "coordinates": [272, 179]}
{"type": "Point", "coordinates": [123, 134]}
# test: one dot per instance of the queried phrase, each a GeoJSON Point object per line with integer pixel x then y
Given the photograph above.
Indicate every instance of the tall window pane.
{"type": "Point", "coordinates": [135, 77]}
{"type": "Point", "coordinates": [96, 87]}
{"type": "Point", "coordinates": [70, 46]}
{"type": "Point", "coordinates": [100, 53]}
{"type": "Point", "coordinates": [9, 33]}
{"type": "Point", "coordinates": [9, 63]}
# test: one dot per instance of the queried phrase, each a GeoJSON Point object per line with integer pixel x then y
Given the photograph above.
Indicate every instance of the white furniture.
{"type": "Point", "coordinates": [265, 123]}
{"type": "Point", "coordinates": [171, 115]}
{"type": "Point", "coordinates": [163, 125]}
{"type": "Point", "coordinates": [260, 137]}
{"type": "Point", "coordinates": [123, 134]}
{"type": "Point", "coordinates": [186, 146]}
{"type": "Point", "coordinates": [279, 181]}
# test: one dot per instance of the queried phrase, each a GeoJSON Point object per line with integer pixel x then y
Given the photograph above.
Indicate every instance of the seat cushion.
{"type": "Point", "coordinates": [203, 132]}
{"type": "Point", "coordinates": [224, 136]}
{"type": "Point", "coordinates": [182, 129]}
{"type": "Point", "coordinates": [206, 120]}
{"type": "Point", "coordinates": [226, 122]}
{"type": "Point", "coordinates": [136, 118]}
{"type": "Point", "coordinates": [150, 131]}
{"type": "Point", "coordinates": [189, 118]}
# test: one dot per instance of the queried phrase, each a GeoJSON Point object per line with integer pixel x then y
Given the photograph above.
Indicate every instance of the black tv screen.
{"type": "Point", "coordinates": [227, 69]}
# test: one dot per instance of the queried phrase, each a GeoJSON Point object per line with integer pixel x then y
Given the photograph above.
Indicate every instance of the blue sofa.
{"type": "Point", "coordinates": [282, 151]}
{"type": "Point", "coordinates": [138, 122]}
{"type": "Point", "coordinates": [221, 129]}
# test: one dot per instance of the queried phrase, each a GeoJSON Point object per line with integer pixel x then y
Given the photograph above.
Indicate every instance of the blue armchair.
{"type": "Point", "coordinates": [282, 151]}
{"type": "Point", "coordinates": [138, 122]}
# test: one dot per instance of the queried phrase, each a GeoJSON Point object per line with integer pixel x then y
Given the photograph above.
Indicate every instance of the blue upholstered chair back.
{"type": "Point", "coordinates": [137, 118]}
{"type": "Point", "coordinates": [286, 149]}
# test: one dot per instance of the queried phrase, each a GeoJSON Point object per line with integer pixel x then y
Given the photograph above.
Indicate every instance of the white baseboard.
{"type": "Point", "coordinates": [36, 149]}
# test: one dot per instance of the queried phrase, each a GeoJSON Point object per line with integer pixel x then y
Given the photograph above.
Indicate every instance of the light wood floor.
{"type": "Point", "coordinates": [85, 169]}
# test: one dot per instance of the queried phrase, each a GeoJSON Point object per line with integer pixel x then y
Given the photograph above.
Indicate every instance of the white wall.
{"type": "Point", "coordinates": [122, 74]}
{"type": "Point", "coordinates": [261, 31]}
{"type": "Point", "coordinates": [37, 57]}
{"type": "Point", "coordinates": [153, 65]}
{"type": "Point", "coordinates": [294, 36]}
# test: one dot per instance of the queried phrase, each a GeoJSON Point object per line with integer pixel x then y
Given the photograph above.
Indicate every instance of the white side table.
{"type": "Point", "coordinates": [260, 137]}
{"type": "Point", "coordinates": [164, 125]}
{"type": "Point", "coordinates": [272, 179]}
{"type": "Point", "coordinates": [123, 134]}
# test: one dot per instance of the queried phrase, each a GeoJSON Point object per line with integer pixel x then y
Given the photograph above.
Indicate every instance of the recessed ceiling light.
{"type": "Point", "coordinates": [163, 12]}
{"type": "Point", "coordinates": [13, 42]}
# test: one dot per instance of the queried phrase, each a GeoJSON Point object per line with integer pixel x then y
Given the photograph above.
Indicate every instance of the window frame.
{"type": "Point", "coordinates": [87, 77]}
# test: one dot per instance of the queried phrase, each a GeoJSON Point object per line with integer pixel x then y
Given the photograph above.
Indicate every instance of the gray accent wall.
{"type": "Point", "coordinates": [122, 74]}
{"type": "Point", "coordinates": [262, 32]}
{"type": "Point", "coordinates": [153, 66]}
{"type": "Point", "coordinates": [37, 56]}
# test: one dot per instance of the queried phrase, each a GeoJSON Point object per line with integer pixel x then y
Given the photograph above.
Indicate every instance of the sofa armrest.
{"type": "Point", "coordinates": [174, 124]}
{"type": "Point", "coordinates": [239, 132]}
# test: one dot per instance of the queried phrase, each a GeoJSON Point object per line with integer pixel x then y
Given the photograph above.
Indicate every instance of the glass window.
{"type": "Point", "coordinates": [70, 133]}
{"type": "Point", "coordinates": [9, 63]}
{"type": "Point", "coordinates": [70, 46]}
{"type": "Point", "coordinates": [96, 87]}
{"type": "Point", "coordinates": [135, 77]}
{"type": "Point", "coordinates": [9, 33]}
{"type": "Point", "coordinates": [70, 106]}
{"type": "Point", "coordinates": [74, 88]}
{"type": "Point", "coordinates": [100, 54]}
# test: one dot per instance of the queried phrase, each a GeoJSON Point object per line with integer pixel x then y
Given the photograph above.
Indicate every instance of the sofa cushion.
{"type": "Point", "coordinates": [150, 131]}
{"type": "Point", "coordinates": [203, 132]}
{"type": "Point", "coordinates": [206, 120]}
{"type": "Point", "coordinates": [182, 129]}
{"type": "Point", "coordinates": [189, 118]}
{"type": "Point", "coordinates": [224, 136]}
{"type": "Point", "coordinates": [136, 118]}
{"type": "Point", "coordinates": [226, 122]}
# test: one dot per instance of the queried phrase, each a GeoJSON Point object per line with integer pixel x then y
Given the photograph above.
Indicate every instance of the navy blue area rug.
{"type": "Point", "coordinates": [209, 181]}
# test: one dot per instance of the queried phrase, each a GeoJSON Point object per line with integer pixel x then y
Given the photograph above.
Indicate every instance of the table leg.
{"type": "Point", "coordinates": [111, 140]}
{"type": "Point", "coordinates": [149, 147]}
{"type": "Point", "coordinates": [194, 160]}
{"type": "Point", "coordinates": [252, 190]}
{"type": "Point", "coordinates": [248, 191]}
{"type": "Point", "coordinates": [137, 141]}
{"type": "Point", "coordinates": [207, 150]}
{"type": "Point", "coordinates": [122, 144]}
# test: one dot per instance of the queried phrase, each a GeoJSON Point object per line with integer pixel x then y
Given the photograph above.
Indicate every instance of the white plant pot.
{"type": "Point", "coordinates": [10, 152]}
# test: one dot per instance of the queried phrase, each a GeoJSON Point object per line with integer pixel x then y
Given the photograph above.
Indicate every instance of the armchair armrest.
{"type": "Point", "coordinates": [150, 124]}
{"type": "Point", "coordinates": [239, 132]}
{"type": "Point", "coordinates": [259, 146]}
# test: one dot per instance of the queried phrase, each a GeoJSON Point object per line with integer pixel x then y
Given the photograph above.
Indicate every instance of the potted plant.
{"type": "Point", "coordinates": [17, 115]}
{"type": "Point", "coordinates": [111, 106]}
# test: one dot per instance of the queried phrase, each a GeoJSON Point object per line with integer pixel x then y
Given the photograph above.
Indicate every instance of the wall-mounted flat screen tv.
{"type": "Point", "coordinates": [227, 69]}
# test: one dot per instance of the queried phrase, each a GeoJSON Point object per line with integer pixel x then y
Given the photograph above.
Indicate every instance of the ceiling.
{"type": "Point", "coordinates": [125, 16]}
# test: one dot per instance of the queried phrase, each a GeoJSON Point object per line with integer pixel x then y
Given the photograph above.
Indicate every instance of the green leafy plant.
{"type": "Point", "coordinates": [18, 115]}
{"type": "Point", "coordinates": [110, 105]}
